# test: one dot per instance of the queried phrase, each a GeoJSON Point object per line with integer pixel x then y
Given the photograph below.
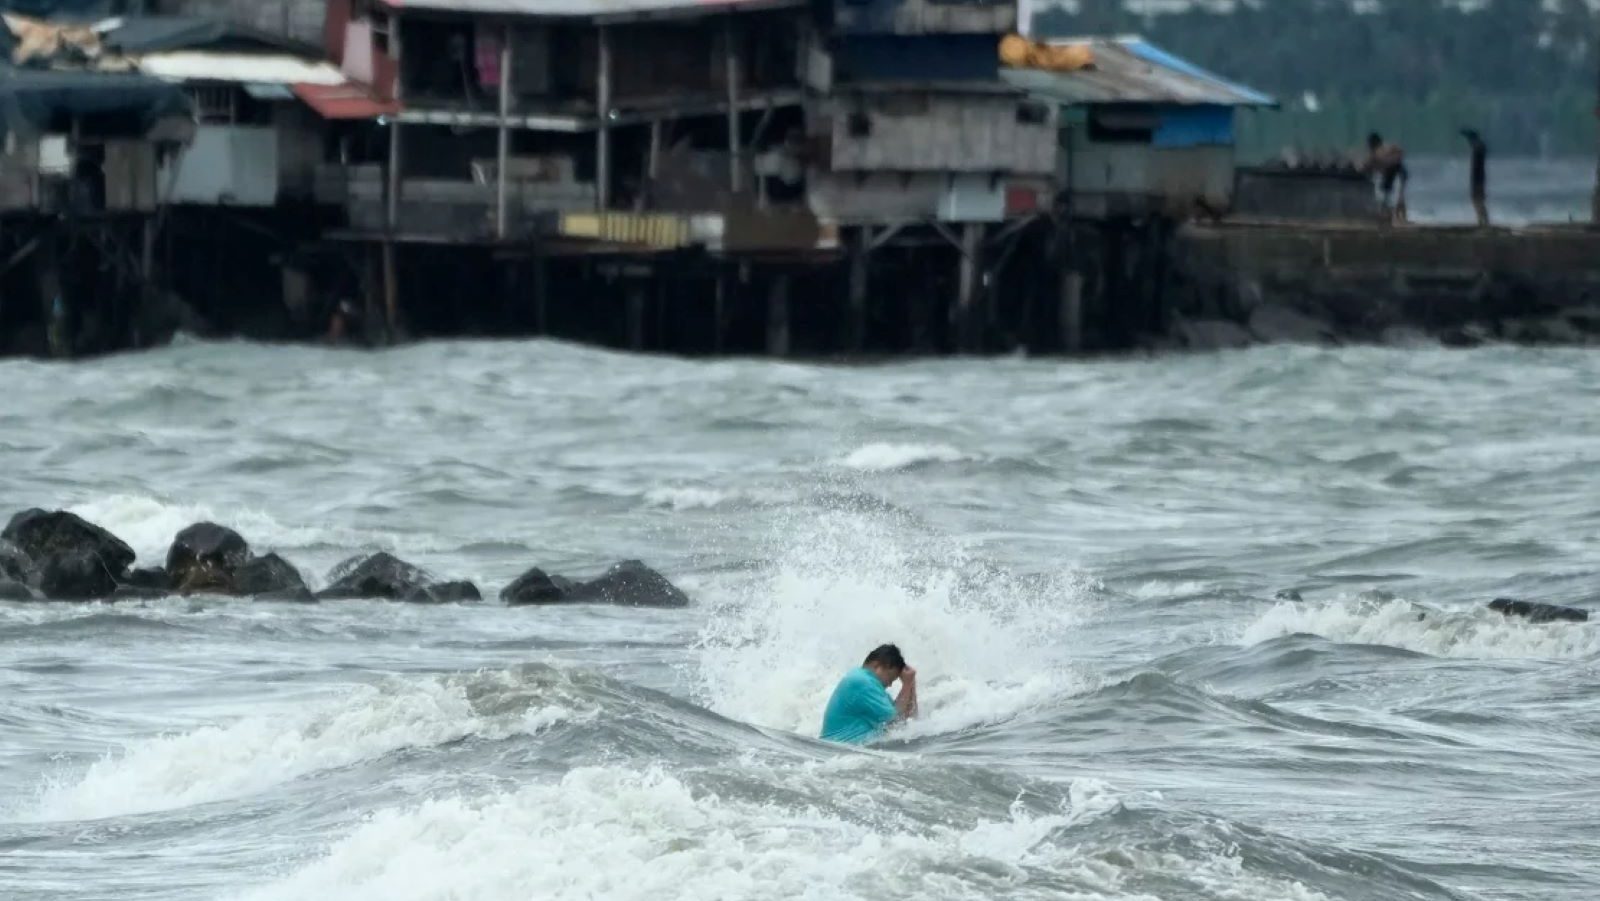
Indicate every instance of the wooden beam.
{"type": "Point", "coordinates": [602, 139]}
{"type": "Point", "coordinates": [731, 64]}
{"type": "Point", "coordinates": [503, 149]}
{"type": "Point", "coordinates": [392, 217]}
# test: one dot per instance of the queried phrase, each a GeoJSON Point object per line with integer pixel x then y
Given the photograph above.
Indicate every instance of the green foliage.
{"type": "Point", "coordinates": [1524, 72]}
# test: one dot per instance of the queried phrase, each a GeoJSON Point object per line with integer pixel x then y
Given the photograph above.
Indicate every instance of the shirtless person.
{"type": "Point", "coordinates": [1388, 162]}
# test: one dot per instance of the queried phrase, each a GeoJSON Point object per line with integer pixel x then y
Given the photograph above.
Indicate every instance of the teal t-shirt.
{"type": "Point", "coordinates": [859, 709]}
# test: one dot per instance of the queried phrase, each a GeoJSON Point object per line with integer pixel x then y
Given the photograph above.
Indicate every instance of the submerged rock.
{"type": "Point", "coordinates": [136, 593]}
{"type": "Point", "coordinates": [301, 595]}
{"type": "Point", "coordinates": [534, 587]}
{"type": "Point", "coordinates": [267, 574]}
{"type": "Point", "coordinates": [381, 576]}
{"type": "Point", "coordinates": [1213, 334]}
{"type": "Point", "coordinates": [1538, 613]}
{"type": "Point", "coordinates": [205, 556]}
{"type": "Point", "coordinates": [14, 564]}
{"type": "Point", "coordinates": [1288, 594]}
{"type": "Point", "coordinates": [150, 579]}
{"type": "Point", "coordinates": [1275, 324]}
{"type": "Point", "coordinates": [629, 584]}
{"type": "Point", "coordinates": [12, 590]}
{"type": "Point", "coordinates": [42, 535]}
{"type": "Point", "coordinates": [453, 592]}
{"type": "Point", "coordinates": [76, 576]}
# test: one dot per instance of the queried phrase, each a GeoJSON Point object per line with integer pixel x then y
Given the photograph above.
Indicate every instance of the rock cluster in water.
{"type": "Point", "coordinates": [59, 556]}
{"type": "Point", "coordinates": [1532, 611]}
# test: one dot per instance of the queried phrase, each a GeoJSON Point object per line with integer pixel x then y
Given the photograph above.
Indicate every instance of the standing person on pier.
{"type": "Point", "coordinates": [1387, 162]}
{"type": "Point", "coordinates": [1480, 175]}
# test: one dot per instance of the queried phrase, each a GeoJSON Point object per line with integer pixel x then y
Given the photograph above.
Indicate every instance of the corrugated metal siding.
{"type": "Point", "coordinates": [919, 133]}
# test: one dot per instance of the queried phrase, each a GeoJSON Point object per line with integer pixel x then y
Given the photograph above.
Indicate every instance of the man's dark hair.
{"type": "Point", "coordinates": [1374, 140]}
{"type": "Point", "coordinates": [886, 655]}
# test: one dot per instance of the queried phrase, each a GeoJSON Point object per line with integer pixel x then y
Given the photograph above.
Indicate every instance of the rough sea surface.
{"type": "Point", "coordinates": [1081, 558]}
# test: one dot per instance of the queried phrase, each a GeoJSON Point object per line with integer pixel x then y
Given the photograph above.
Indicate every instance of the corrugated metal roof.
{"type": "Point", "coordinates": [1132, 70]}
{"type": "Point", "coordinates": [346, 101]}
{"type": "Point", "coordinates": [590, 9]}
{"type": "Point", "coordinates": [244, 68]}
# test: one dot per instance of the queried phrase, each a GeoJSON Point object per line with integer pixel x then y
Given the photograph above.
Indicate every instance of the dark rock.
{"type": "Point", "coordinates": [44, 535]}
{"type": "Point", "coordinates": [535, 587]}
{"type": "Point", "coordinates": [11, 590]}
{"type": "Point", "coordinates": [1213, 334]}
{"type": "Point", "coordinates": [1277, 324]}
{"type": "Point", "coordinates": [76, 576]}
{"type": "Point", "coordinates": [266, 575]}
{"type": "Point", "coordinates": [1406, 336]}
{"type": "Point", "coordinates": [153, 578]}
{"type": "Point", "coordinates": [1288, 594]}
{"type": "Point", "coordinates": [455, 592]}
{"type": "Point", "coordinates": [563, 583]}
{"type": "Point", "coordinates": [629, 584]}
{"type": "Point", "coordinates": [377, 576]}
{"type": "Point", "coordinates": [14, 564]}
{"type": "Point", "coordinates": [205, 556]}
{"type": "Point", "coordinates": [1538, 613]}
{"type": "Point", "coordinates": [135, 593]}
{"type": "Point", "coordinates": [301, 595]}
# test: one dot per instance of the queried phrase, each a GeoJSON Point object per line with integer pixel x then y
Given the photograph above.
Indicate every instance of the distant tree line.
{"type": "Point", "coordinates": [1523, 72]}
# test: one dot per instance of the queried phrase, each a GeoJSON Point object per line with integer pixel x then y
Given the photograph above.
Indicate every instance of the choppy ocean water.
{"type": "Point", "coordinates": [1081, 558]}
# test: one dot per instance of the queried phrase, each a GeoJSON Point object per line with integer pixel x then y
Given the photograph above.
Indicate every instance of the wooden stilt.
{"type": "Point", "coordinates": [1071, 311]}
{"type": "Point", "coordinates": [391, 293]}
{"type": "Point", "coordinates": [778, 315]}
{"type": "Point", "coordinates": [719, 311]}
{"type": "Point", "coordinates": [969, 288]}
{"type": "Point", "coordinates": [636, 315]}
{"type": "Point", "coordinates": [503, 138]}
{"type": "Point", "coordinates": [731, 71]}
{"type": "Point", "coordinates": [860, 273]}
{"type": "Point", "coordinates": [541, 294]}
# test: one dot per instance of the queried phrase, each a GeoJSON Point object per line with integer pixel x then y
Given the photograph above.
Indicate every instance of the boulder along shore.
{"type": "Point", "coordinates": [59, 556]}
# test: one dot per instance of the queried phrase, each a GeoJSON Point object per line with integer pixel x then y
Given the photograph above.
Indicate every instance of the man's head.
{"type": "Point", "coordinates": [886, 663]}
{"type": "Point", "coordinates": [1374, 141]}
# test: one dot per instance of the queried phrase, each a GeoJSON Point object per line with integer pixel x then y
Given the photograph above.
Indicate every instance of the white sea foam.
{"type": "Point", "coordinates": [773, 655]}
{"type": "Point", "coordinates": [148, 525]}
{"type": "Point", "coordinates": [619, 834]}
{"type": "Point", "coordinates": [887, 456]}
{"type": "Point", "coordinates": [260, 752]}
{"type": "Point", "coordinates": [1477, 633]}
{"type": "Point", "coordinates": [688, 497]}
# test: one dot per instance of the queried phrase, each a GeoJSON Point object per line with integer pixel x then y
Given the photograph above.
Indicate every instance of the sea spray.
{"type": "Point", "coordinates": [987, 644]}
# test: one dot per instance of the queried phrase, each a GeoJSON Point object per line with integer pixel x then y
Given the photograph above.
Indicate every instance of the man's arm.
{"type": "Point", "coordinates": [905, 706]}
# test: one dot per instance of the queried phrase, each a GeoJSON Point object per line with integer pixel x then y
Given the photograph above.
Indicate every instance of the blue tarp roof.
{"type": "Point", "coordinates": [1133, 70]}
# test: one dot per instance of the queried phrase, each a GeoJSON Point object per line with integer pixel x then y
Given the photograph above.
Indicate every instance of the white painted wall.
{"type": "Point", "coordinates": [231, 165]}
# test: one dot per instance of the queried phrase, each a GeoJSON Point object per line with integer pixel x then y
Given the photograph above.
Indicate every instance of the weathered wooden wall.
{"type": "Point", "coordinates": [938, 133]}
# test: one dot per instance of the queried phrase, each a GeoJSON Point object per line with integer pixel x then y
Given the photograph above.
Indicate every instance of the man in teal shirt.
{"type": "Point", "coordinates": [860, 708]}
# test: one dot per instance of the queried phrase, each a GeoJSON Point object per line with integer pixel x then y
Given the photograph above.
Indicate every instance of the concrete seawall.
{"type": "Point", "coordinates": [1234, 284]}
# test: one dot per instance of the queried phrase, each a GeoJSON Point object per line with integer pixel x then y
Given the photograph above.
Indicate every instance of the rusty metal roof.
{"type": "Point", "coordinates": [590, 9]}
{"type": "Point", "coordinates": [1132, 70]}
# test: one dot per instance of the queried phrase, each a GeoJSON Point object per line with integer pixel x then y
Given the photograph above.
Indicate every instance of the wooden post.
{"type": "Point", "coordinates": [391, 291]}
{"type": "Point", "coordinates": [541, 294]}
{"type": "Point", "coordinates": [731, 65]}
{"type": "Point", "coordinates": [860, 262]}
{"type": "Point", "coordinates": [778, 315]}
{"type": "Point", "coordinates": [57, 314]}
{"type": "Point", "coordinates": [503, 149]}
{"type": "Point", "coordinates": [719, 310]}
{"type": "Point", "coordinates": [1071, 311]}
{"type": "Point", "coordinates": [636, 315]}
{"type": "Point", "coordinates": [395, 158]}
{"type": "Point", "coordinates": [602, 139]}
{"type": "Point", "coordinates": [971, 273]}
